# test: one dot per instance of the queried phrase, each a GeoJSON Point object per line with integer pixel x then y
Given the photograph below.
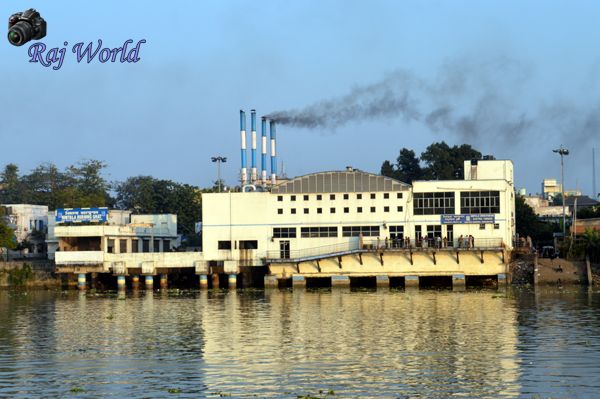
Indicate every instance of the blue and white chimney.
{"type": "Point", "coordinates": [244, 172]}
{"type": "Point", "coordinates": [273, 154]}
{"type": "Point", "coordinates": [263, 145]}
{"type": "Point", "coordinates": [253, 174]}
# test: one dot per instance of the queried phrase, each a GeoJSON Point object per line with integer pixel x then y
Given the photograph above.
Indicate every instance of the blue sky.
{"type": "Point", "coordinates": [203, 61]}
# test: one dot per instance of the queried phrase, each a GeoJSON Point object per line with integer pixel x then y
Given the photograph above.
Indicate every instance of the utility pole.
{"type": "Point", "coordinates": [218, 160]}
{"type": "Point", "coordinates": [562, 152]}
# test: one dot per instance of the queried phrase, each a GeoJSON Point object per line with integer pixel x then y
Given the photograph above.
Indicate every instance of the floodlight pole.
{"type": "Point", "coordinates": [562, 152]}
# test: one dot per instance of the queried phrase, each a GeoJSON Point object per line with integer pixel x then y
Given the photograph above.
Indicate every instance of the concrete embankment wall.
{"type": "Point", "coordinates": [28, 274]}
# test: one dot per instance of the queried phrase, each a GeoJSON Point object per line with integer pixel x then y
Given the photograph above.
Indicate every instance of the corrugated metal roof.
{"type": "Point", "coordinates": [339, 182]}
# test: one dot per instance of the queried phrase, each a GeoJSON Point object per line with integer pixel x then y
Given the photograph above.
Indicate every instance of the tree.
{"type": "Point", "coordinates": [11, 189]}
{"type": "Point", "coordinates": [528, 223]}
{"type": "Point", "coordinates": [387, 169]}
{"type": "Point", "coordinates": [446, 163]}
{"type": "Point", "coordinates": [7, 235]}
{"type": "Point", "coordinates": [408, 166]}
{"type": "Point", "coordinates": [145, 194]}
{"type": "Point", "coordinates": [91, 187]}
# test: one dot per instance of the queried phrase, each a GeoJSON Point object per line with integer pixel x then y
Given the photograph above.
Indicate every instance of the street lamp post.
{"type": "Point", "coordinates": [218, 160]}
{"type": "Point", "coordinates": [562, 152]}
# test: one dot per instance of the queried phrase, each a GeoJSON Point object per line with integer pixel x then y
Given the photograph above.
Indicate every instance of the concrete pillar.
{"type": "Point", "coordinates": [149, 280]}
{"type": "Point", "coordinates": [232, 280]}
{"type": "Point", "coordinates": [93, 277]}
{"type": "Point", "coordinates": [502, 280]}
{"type": "Point", "coordinates": [203, 279]}
{"type": "Point", "coordinates": [458, 282]}
{"type": "Point", "coordinates": [81, 281]}
{"type": "Point", "coordinates": [271, 282]}
{"type": "Point", "coordinates": [298, 281]}
{"type": "Point", "coordinates": [161, 246]}
{"type": "Point", "coordinates": [135, 281]}
{"type": "Point", "coordinates": [129, 245]}
{"type": "Point", "coordinates": [383, 282]}
{"type": "Point", "coordinates": [411, 282]}
{"type": "Point", "coordinates": [164, 281]}
{"type": "Point", "coordinates": [121, 285]}
{"type": "Point", "coordinates": [215, 280]}
{"type": "Point", "coordinates": [340, 281]}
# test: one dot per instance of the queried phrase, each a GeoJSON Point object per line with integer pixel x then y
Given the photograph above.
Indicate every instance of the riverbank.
{"type": "Point", "coordinates": [28, 274]}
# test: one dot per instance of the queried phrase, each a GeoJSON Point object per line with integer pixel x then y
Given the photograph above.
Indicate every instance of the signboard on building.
{"type": "Point", "coordinates": [468, 219]}
{"type": "Point", "coordinates": [79, 215]}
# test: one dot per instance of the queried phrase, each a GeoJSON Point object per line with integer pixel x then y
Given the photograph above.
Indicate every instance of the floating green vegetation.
{"type": "Point", "coordinates": [174, 390]}
{"type": "Point", "coordinates": [322, 395]}
{"type": "Point", "coordinates": [17, 277]}
{"type": "Point", "coordinates": [77, 390]}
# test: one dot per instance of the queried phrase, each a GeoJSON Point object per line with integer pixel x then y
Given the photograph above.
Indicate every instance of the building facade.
{"type": "Point", "coordinates": [306, 219]}
{"type": "Point", "coordinates": [121, 243]}
{"type": "Point", "coordinates": [29, 223]}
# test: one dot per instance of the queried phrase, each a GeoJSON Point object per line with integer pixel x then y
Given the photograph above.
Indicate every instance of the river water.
{"type": "Point", "coordinates": [284, 344]}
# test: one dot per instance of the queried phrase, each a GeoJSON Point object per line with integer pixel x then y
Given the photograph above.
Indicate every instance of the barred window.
{"type": "Point", "coordinates": [318, 232]}
{"type": "Point", "coordinates": [284, 232]}
{"type": "Point", "coordinates": [478, 202]}
{"type": "Point", "coordinates": [433, 203]}
{"type": "Point", "coordinates": [355, 231]}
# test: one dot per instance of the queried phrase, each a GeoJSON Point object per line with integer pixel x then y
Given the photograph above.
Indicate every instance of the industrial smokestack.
{"type": "Point", "coordinates": [244, 172]}
{"type": "Point", "coordinates": [263, 144]}
{"type": "Point", "coordinates": [273, 153]}
{"type": "Point", "coordinates": [253, 153]}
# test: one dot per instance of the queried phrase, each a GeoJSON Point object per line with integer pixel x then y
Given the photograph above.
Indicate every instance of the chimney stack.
{"type": "Point", "coordinates": [263, 145]}
{"type": "Point", "coordinates": [253, 127]}
{"type": "Point", "coordinates": [273, 154]}
{"type": "Point", "coordinates": [244, 172]}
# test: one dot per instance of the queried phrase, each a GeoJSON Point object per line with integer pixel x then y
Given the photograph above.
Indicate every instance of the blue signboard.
{"type": "Point", "coordinates": [78, 215]}
{"type": "Point", "coordinates": [468, 219]}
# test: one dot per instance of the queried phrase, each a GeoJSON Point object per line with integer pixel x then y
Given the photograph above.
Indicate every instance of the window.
{"type": "Point", "coordinates": [358, 196]}
{"type": "Point", "coordinates": [166, 245]}
{"type": "Point", "coordinates": [399, 208]}
{"type": "Point", "coordinates": [280, 211]}
{"type": "Point", "coordinates": [398, 195]}
{"type": "Point", "coordinates": [145, 245]}
{"type": "Point", "coordinates": [319, 197]}
{"type": "Point", "coordinates": [306, 211]}
{"type": "Point", "coordinates": [110, 243]}
{"type": "Point", "coordinates": [433, 203]}
{"type": "Point", "coordinates": [156, 245]}
{"type": "Point", "coordinates": [318, 232]}
{"type": "Point", "coordinates": [306, 198]}
{"type": "Point", "coordinates": [319, 210]}
{"type": "Point", "coordinates": [122, 246]}
{"type": "Point", "coordinates": [479, 202]}
{"type": "Point", "coordinates": [331, 210]}
{"type": "Point", "coordinates": [293, 210]}
{"type": "Point", "coordinates": [386, 208]}
{"type": "Point", "coordinates": [386, 195]}
{"type": "Point", "coordinates": [496, 226]}
{"type": "Point", "coordinates": [355, 231]}
{"type": "Point", "coordinates": [372, 209]}
{"type": "Point", "coordinates": [346, 196]}
{"type": "Point", "coordinates": [346, 210]}
{"type": "Point", "coordinates": [280, 198]}
{"type": "Point", "coordinates": [293, 198]}
{"type": "Point", "coordinates": [359, 209]}
{"type": "Point", "coordinates": [482, 226]}
{"type": "Point", "coordinates": [284, 232]}
{"type": "Point", "coordinates": [248, 244]}
{"type": "Point", "coordinates": [372, 195]}
{"type": "Point", "coordinates": [224, 245]}
{"type": "Point", "coordinates": [396, 232]}
{"type": "Point", "coordinates": [331, 196]}
{"type": "Point", "coordinates": [135, 246]}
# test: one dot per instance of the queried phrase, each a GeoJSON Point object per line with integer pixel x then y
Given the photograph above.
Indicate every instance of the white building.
{"type": "Point", "coordinates": [119, 242]}
{"type": "Point", "coordinates": [29, 223]}
{"type": "Point", "coordinates": [308, 220]}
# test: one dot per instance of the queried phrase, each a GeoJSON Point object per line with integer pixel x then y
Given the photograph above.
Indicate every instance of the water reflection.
{"type": "Point", "coordinates": [282, 344]}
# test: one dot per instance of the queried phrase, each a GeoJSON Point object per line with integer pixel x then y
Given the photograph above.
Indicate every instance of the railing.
{"type": "Point", "coordinates": [374, 244]}
{"type": "Point", "coordinates": [315, 251]}
{"type": "Point", "coordinates": [433, 243]}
